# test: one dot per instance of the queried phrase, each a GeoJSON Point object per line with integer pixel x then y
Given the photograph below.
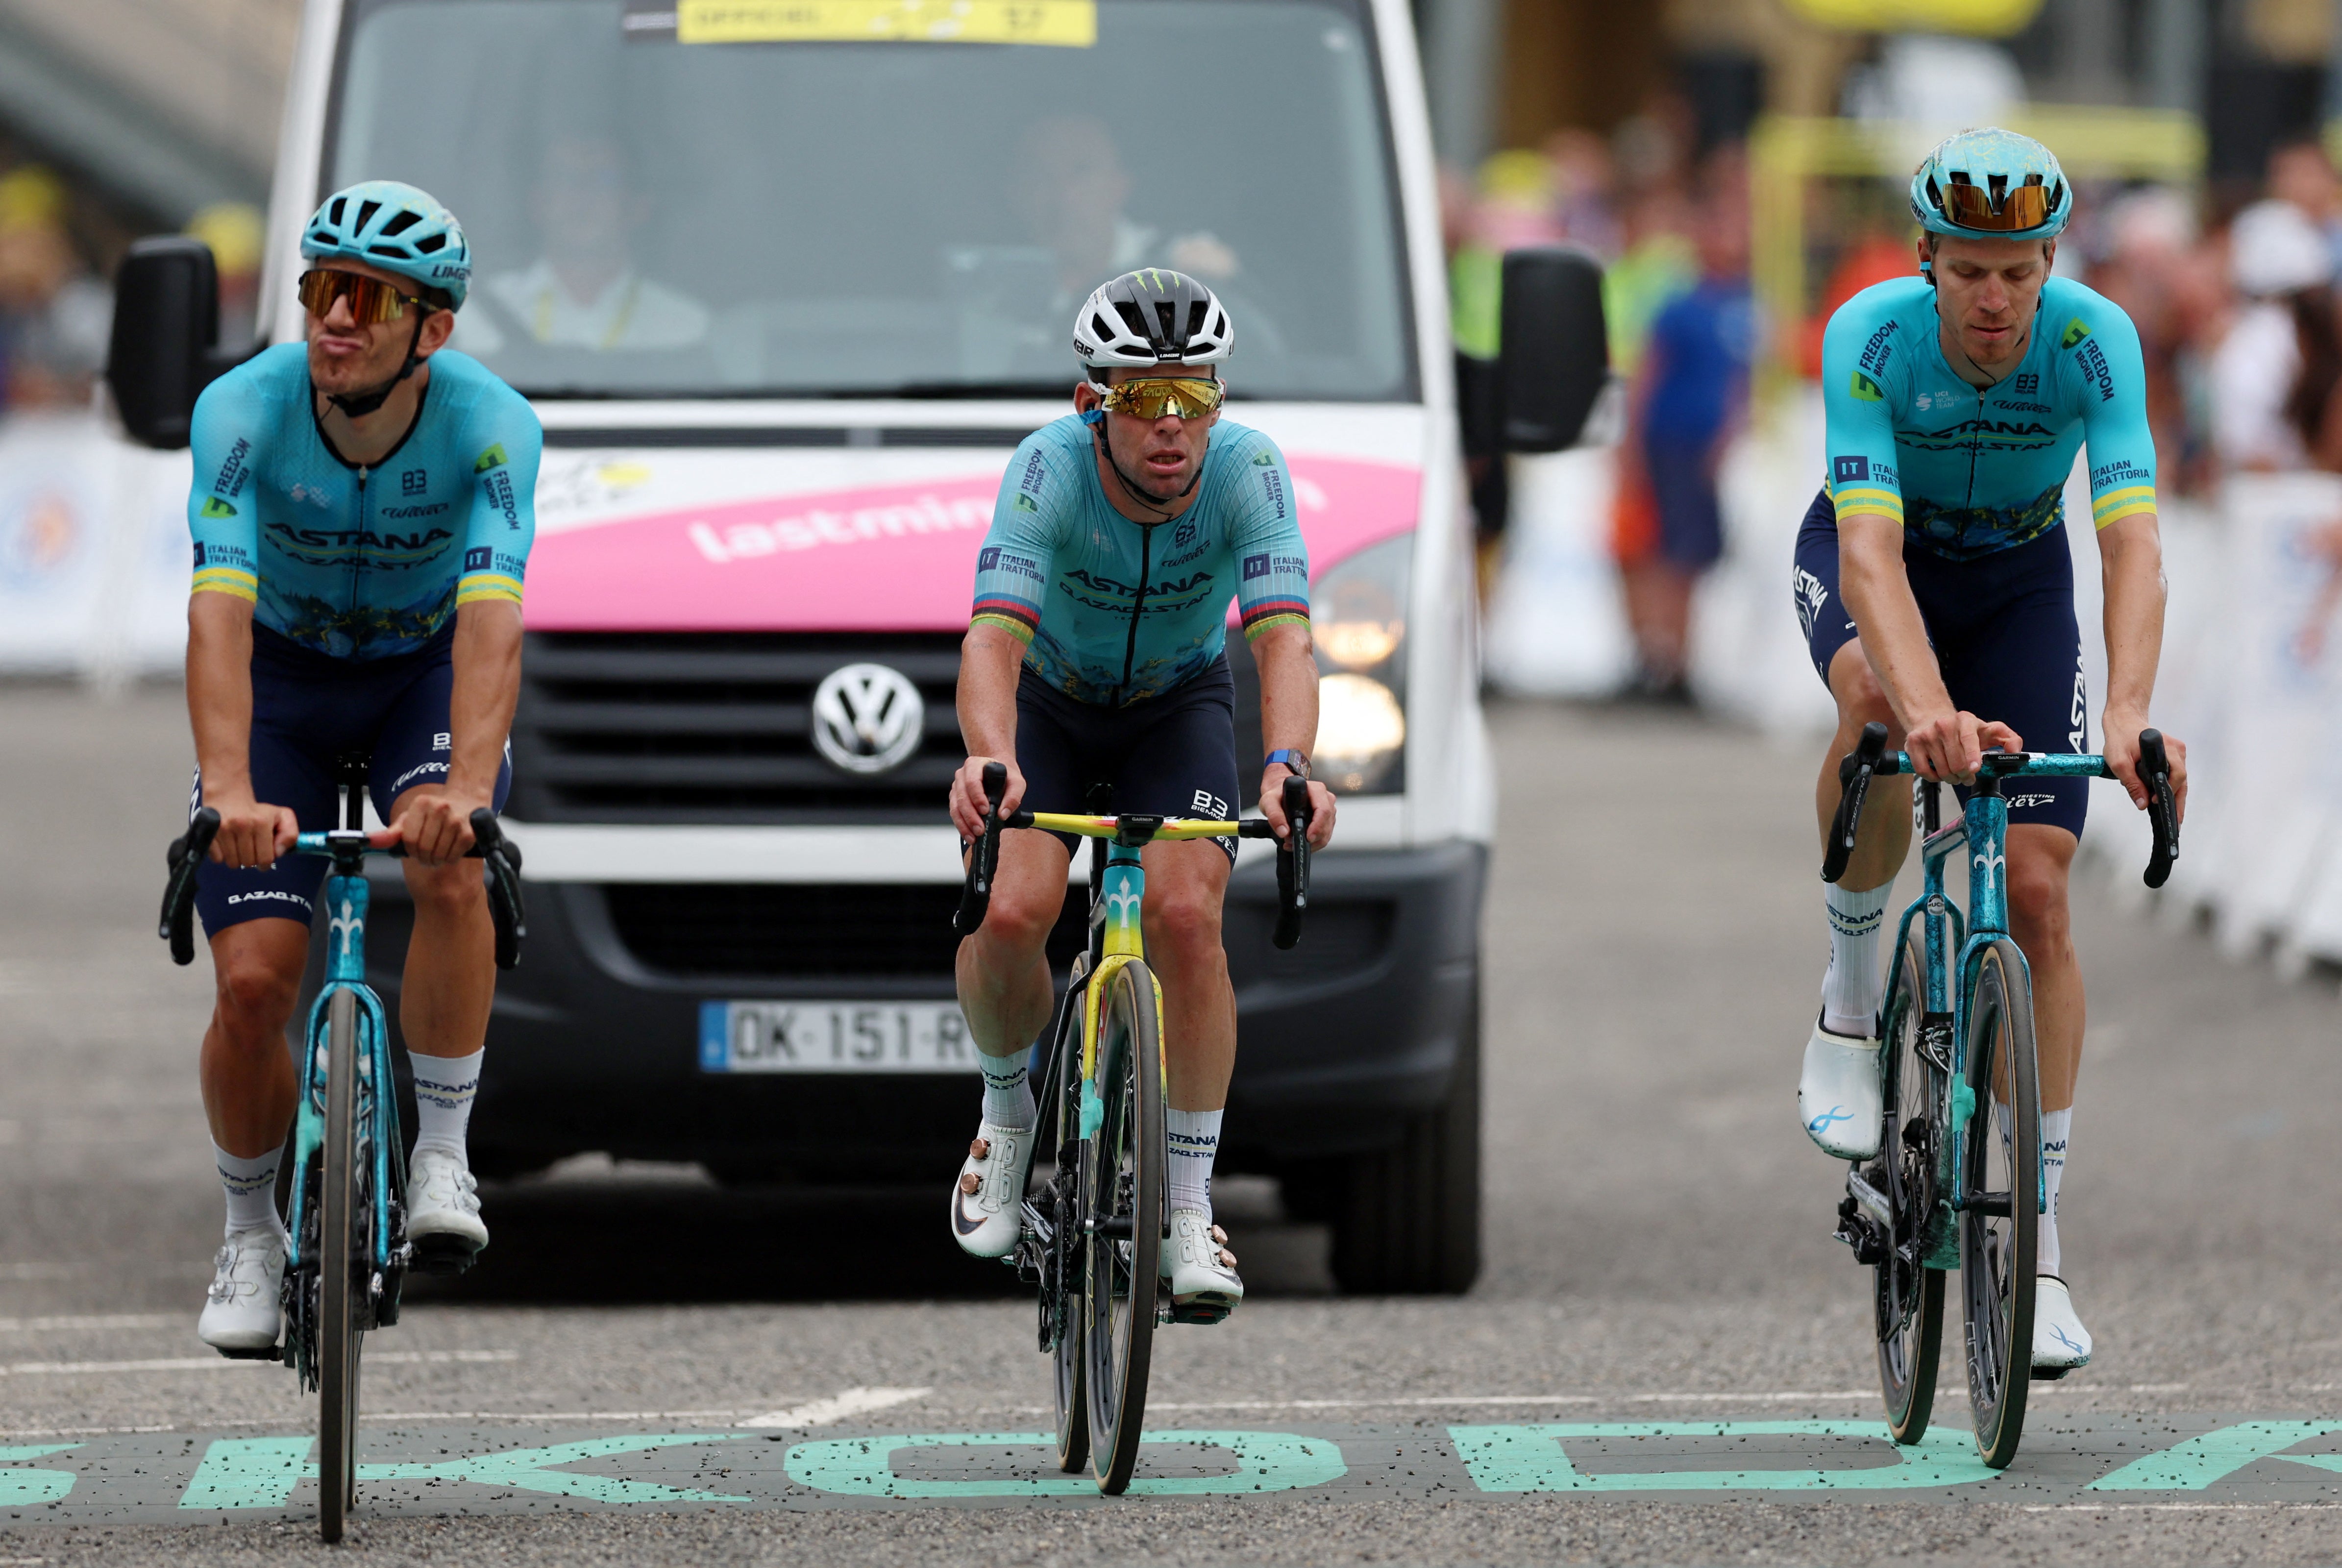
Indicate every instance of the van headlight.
{"type": "Point", "coordinates": [1357, 617]}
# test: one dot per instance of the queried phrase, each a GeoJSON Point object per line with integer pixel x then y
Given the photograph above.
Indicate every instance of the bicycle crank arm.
{"type": "Point", "coordinates": [1874, 1202]}
{"type": "Point", "coordinates": [1036, 1225]}
{"type": "Point", "coordinates": [1994, 1203]}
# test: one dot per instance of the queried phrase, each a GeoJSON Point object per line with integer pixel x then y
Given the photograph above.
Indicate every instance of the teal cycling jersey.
{"type": "Point", "coordinates": [1968, 471]}
{"type": "Point", "coordinates": [362, 562]}
{"type": "Point", "coordinates": [1112, 611]}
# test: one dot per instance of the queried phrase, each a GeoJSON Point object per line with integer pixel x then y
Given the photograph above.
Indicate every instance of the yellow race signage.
{"type": "Point", "coordinates": [1983, 18]}
{"type": "Point", "coordinates": [1068, 24]}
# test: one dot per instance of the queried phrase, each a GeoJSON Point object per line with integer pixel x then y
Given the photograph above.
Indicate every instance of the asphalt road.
{"type": "Point", "coordinates": [1660, 1279]}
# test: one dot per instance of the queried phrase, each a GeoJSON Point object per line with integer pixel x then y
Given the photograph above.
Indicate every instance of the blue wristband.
{"type": "Point", "coordinates": [1296, 761]}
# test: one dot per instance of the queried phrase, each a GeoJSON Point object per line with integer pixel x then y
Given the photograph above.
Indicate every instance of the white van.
{"type": "Point", "coordinates": [786, 280]}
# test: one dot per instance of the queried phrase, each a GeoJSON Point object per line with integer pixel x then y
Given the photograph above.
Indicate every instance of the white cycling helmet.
{"type": "Point", "coordinates": [1153, 317]}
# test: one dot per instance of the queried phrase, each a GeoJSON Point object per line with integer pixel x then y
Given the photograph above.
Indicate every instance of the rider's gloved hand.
{"type": "Point", "coordinates": [968, 803]}
{"type": "Point", "coordinates": [1950, 745]}
{"type": "Point", "coordinates": [435, 823]}
{"type": "Point", "coordinates": [1272, 805]}
{"type": "Point", "coordinates": [251, 835]}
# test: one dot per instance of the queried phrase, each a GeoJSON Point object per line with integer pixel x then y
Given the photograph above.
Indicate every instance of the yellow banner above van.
{"type": "Point", "coordinates": [1068, 24]}
{"type": "Point", "coordinates": [1981, 18]}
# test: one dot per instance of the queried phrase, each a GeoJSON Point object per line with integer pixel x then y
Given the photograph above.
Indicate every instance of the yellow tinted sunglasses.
{"type": "Point", "coordinates": [1970, 206]}
{"type": "Point", "coordinates": [371, 299]}
{"type": "Point", "coordinates": [1151, 397]}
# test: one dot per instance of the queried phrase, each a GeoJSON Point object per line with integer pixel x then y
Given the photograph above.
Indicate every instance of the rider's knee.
{"type": "Point", "coordinates": [445, 892]}
{"type": "Point", "coordinates": [1183, 923]}
{"type": "Point", "coordinates": [256, 996]}
{"type": "Point", "coordinates": [1861, 700]}
{"type": "Point", "coordinates": [1020, 921]}
{"type": "Point", "coordinates": [2036, 899]}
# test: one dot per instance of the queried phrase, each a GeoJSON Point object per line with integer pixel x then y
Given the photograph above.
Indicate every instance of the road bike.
{"type": "Point", "coordinates": [1093, 1217]}
{"type": "Point", "coordinates": [348, 1255]}
{"type": "Point", "coordinates": [1957, 1182]}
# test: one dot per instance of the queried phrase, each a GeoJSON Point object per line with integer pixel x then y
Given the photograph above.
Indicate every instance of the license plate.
{"type": "Point", "coordinates": [834, 1037]}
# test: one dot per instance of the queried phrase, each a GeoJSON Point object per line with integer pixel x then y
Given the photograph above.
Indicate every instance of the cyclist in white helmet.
{"type": "Point", "coordinates": [1095, 655]}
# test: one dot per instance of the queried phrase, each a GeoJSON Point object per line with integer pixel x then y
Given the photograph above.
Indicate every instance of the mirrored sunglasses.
{"type": "Point", "coordinates": [1150, 397]}
{"type": "Point", "coordinates": [371, 299]}
{"type": "Point", "coordinates": [1970, 206]}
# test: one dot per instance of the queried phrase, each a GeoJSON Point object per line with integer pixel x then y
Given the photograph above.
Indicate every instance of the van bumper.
{"type": "Point", "coordinates": [1342, 1041]}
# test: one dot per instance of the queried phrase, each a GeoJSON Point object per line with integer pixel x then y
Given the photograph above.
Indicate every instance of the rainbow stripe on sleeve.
{"type": "Point", "coordinates": [1017, 619]}
{"type": "Point", "coordinates": [1258, 618]}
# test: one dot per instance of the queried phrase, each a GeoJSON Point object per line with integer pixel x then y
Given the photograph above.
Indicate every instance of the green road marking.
{"type": "Point", "coordinates": [247, 1473]}
{"type": "Point", "coordinates": [1532, 1458]}
{"type": "Point", "coordinates": [22, 1488]}
{"type": "Point", "coordinates": [261, 1472]}
{"type": "Point", "coordinates": [2193, 1466]}
{"type": "Point", "coordinates": [863, 1466]}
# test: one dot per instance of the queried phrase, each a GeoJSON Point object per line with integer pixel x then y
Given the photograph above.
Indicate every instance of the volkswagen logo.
{"type": "Point", "coordinates": [867, 718]}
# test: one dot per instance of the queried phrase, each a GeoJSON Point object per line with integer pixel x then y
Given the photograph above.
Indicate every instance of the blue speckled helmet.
{"type": "Point", "coordinates": [397, 227]}
{"type": "Point", "coordinates": [1980, 185]}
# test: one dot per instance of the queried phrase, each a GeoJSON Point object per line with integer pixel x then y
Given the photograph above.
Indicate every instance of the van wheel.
{"type": "Point", "coordinates": [1407, 1219]}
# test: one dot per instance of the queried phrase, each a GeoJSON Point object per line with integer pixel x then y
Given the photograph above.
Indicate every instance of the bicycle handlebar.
{"type": "Point", "coordinates": [1869, 759]}
{"type": "Point", "coordinates": [505, 906]}
{"type": "Point", "coordinates": [1292, 855]}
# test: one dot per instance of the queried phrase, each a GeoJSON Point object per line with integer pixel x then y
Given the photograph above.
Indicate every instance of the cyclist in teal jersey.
{"type": "Point", "coordinates": [362, 511]}
{"type": "Point", "coordinates": [1934, 583]}
{"type": "Point", "coordinates": [1095, 655]}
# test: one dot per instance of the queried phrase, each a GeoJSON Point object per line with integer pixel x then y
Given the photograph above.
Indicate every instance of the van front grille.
{"type": "Point", "coordinates": [803, 931]}
{"type": "Point", "coordinates": [717, 727]}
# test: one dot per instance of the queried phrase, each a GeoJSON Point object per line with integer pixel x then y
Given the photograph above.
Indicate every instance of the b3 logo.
{"type": "Point", "coordinates": [1210, 807]}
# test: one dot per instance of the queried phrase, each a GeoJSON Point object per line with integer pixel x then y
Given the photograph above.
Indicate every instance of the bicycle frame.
{"type": "Point", "coordinates": [346, 905]}
{"type": "Point", "coordinates": [1946, 927]}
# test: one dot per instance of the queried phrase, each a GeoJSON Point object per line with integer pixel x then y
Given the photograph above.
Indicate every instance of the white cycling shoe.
{"type": "Point", "coordinates": [2061, 1343]}
{"type": "Point", "coordinates": [986, 1205]}
{"type": "Point", "coordinates": [245, 1310]}
{"type": "Point", "coordinates": [443, 1211]}
{"type": "Point", "coordinates": [1201, 1269]}
{"type": "Point", "coordinates": [1838, 1095]}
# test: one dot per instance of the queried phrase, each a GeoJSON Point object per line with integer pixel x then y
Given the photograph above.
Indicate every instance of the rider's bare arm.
{"type": "Point", "coordinates": [219, 706]}
{"type": "Point", "coordinates": [1288, 721]}
{"type": "Point", "coordinates": [434, 821]}
{"type": "Point", "coordinates": [989, 660]}
{"type": "Point", "coordinates": [1942, 741]}
{"type": "Point", "coordinates": [2130, 557]}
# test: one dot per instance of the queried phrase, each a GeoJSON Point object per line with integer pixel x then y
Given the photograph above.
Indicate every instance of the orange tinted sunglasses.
{"type": "Point", "coordinates": [371, 300]}
{"type": "Point", "coordinates": [1970, 206]}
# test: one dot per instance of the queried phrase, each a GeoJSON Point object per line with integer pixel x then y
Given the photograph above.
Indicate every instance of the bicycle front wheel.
{"type": "Point", "coordinates": [1999, 1221]}
{"type": "Point", "coordinates": [342, 1266]}
{"type": "Point", "coordinates": [1907, 1295]}
{"type": "Point", "coordinates": [1123, 1168]}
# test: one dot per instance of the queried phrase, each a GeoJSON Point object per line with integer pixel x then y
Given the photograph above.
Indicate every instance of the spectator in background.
{"type": "Point", "coordinates": [2300, 173]}
{"type": "Point", "coordinates": [2274, 375]}
{"type": "Point", "coordinates": [1688, 396]}
{"type": "Point", "coordinates": [234, 232]}
{"type": "Point", "coordinates": [1875, 256]}
{"type": "Point", "coordinates": [2154, 267]}
{"type": "Point", "coordinates": [54, 316]}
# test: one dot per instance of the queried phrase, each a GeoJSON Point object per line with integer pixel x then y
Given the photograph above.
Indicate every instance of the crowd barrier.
{"type": "Point", "coordinates": [2244, 681]}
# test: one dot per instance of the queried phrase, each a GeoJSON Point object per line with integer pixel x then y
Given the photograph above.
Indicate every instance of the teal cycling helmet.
{"type": "Point", "coordinates": [397, 227]}
{"type": "Point", "coordinates": [1991, 184]}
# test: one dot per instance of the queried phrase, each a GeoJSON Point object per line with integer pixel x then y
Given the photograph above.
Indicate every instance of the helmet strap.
{"type": "Point", "coordinates": [358, 404]}
{"type": "Point", "coordinates": [1130, 486]}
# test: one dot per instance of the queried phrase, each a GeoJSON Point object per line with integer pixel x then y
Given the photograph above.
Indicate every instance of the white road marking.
{"type": "Point", "coordinates": [91, 1320]}
{"type": "Point", "coordinates": [1786, 1397]}
{"type": "Point", "coordinates": [839, 1406]}
{"type": "Point", "coordinates": [219, 1362]}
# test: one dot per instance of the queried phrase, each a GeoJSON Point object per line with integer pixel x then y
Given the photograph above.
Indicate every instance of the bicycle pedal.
{"type": "Point", "coordinates": [443, 1256]}
{"type": "Point", "coordinates": [264, 1353]}
{"type": "Point", "coordinates": [1198, 1312]}
{"type": "Point", "coordinates": [2049, 1373]}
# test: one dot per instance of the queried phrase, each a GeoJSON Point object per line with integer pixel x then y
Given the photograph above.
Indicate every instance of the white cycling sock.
{"type": "Point", "coordinates": [444, 1088]}
{"type": "Point", "coordinates": [1194, 1141]}
{"type": "Point", "coordinates": [1850, 989]}
{"type": "Point", "coordinates": [251, 1187]}
{"type": "Point", "coordinates": [2057, 1129]}
{"type": "Point", "coordinates": [1007, 1098]}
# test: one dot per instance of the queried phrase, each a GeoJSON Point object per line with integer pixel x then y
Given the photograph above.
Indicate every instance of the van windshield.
{"type": "Point", "coordinates": [650, 217]}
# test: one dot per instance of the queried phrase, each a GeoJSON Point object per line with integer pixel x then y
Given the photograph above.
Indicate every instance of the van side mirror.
{"type": "Point", "coordinates": [165, 346]}
{"type": "Point", "coordinates": [1555, 356]}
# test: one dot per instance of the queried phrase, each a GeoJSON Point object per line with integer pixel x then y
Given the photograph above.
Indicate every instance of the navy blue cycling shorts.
{"type": "Point", "coordinates": [2005, 636]}
{"type": "Point", "coordinates": [1171, 754]}
{"type": "Point", "coordinates": [307, 708]}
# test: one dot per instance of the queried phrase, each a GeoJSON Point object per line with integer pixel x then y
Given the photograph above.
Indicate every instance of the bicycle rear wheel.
{"type": "Point", "coordinates": [1998, 1229]}
{"type": "Point", "coordinates": [1907, 1295]}
{"type": "Point", "coordinates": [1123, 1177]}
{"type": "Point", "coordinates": [342, 1264]}
{"type": "Point", "coordinates": [1062, 1298]}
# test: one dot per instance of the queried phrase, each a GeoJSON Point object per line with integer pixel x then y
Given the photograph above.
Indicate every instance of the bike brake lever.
{"type": "Point", "coordinates": [1293, 863]}
{"type": "Point", "coordinates": [1855, 772]}
{"type": "Point", "coordinates": [186, 859]}
{"type": "Point", "coordinates": [2162, 806]}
